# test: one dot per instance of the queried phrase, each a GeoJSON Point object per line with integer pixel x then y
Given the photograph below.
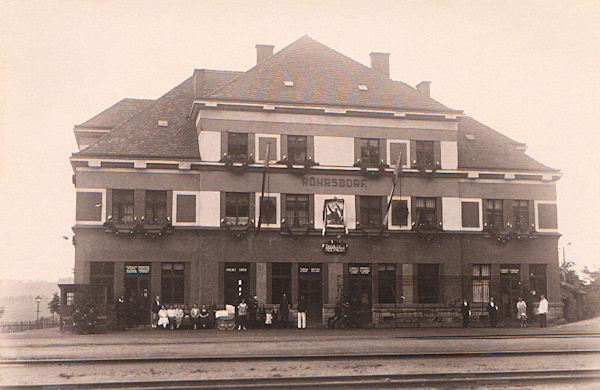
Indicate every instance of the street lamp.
{"type": "Point", "coordinates": [563, 252]}
{"type": "Point", "coordinates": [38, 299]}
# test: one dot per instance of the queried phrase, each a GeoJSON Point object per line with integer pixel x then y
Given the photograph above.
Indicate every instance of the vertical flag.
{"type": "Point", "coordinates": [397, 171]}
{"type": "Point", "coordinates": [262, 192]}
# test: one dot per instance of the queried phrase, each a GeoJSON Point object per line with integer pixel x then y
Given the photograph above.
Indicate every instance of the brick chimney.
{"type": "Point", "coordinates": [380, 62]}
{"type": "Point", "coordinates": [424, 87]}
{"type": "Point", "coordinates": [263, 52]}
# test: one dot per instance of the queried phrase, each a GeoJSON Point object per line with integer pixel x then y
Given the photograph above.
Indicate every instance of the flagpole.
{"type": "Point", "coordinates": [262, 192]}
{"type": "Point", "coordinates": [395, 179]}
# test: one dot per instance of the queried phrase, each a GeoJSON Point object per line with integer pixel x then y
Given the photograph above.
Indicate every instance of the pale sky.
{"type": "Point", "coordinates": [527, 69]}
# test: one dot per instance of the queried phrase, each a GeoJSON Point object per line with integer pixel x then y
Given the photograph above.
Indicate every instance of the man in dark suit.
{"type": "Point", "coordinates": [466, 312]}
{"type": "Point", "coordinates": [492, 310]}
{"type": "Point", "coordinates": [156, 305]}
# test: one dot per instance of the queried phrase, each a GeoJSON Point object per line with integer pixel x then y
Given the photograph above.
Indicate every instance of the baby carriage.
{"type": "Point", "coordinates": [226, 318]}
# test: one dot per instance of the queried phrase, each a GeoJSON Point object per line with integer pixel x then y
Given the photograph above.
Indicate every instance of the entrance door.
{"type": "Point", "coordinates": [237, 282]}
{"type": "Point", "coordinates": [310, 286]}
{"type": "Point", "coordinates": [510, 289]}
{"type": "Point", "coordinates": [358, 290]}
{"type": "Point", "coordinates": [137, 290]}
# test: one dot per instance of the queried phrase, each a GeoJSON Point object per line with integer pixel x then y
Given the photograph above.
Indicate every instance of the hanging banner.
{"type": "Point", "coordinates": [333, 213]}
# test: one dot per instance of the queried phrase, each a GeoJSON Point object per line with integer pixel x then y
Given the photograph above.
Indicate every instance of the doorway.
{"type": "Point", "coordinates": [510, 289]}
{"type": "Point", "coordinates": [310, 286]}
{"type": "Point", "coordinates": [237, 282]}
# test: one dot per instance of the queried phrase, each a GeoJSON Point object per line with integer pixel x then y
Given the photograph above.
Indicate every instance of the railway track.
{"type": "Point", "coordinates": [302, 357]}
{"type": "Point", "coordinates": [444, 380]}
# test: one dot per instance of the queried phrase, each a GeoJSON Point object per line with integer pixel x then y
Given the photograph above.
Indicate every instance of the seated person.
{"type": "Point", "coordinates": [204, 317]}
{"type": "Point", "coordinates": [171, 314]}
{"type": "Point", "coordinates": [163, 318]}
{"type": "Point", "coordinates": [179, 314]}
{"type": "Point", "coordinates": [194, 315]}
{"type": "Point", "coordinates": [91, 321]}
{"type": "Point", "coordinates": [187, 319]}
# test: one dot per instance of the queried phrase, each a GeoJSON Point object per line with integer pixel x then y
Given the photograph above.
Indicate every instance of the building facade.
{"type": "Point", "coordinates": [285, 179]}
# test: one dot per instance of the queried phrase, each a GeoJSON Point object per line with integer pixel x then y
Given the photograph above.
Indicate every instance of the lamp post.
{"type": "Point", "coordinates": [564, 258]}
{"type": "Point", "coordinates": [38, 299]}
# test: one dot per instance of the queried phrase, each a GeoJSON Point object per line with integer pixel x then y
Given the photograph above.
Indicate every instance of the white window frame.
{"type": "Point", "coordinates": [388, 146]}
{"type": "Point", "coordinates": [537, 215]}
{"type": "Point", "coordinates": [408, 218]}
{"type": "Point", "coordinates": [277, 197]}
{"type": "Point", "coordinates": [197, 194]}
{"type": "Point", "coordinates": [257, 146]}
{"type": "Point", "coordinates": [470, 229]}
{"type": "Point", "coordinates": [103, 210]}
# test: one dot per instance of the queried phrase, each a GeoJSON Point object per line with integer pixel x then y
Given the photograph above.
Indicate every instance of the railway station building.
{"type": "Point", "coordinates": [312, 175]}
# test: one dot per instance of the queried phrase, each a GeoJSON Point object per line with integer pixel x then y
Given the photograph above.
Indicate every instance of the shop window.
{"type": "Point", "coordinates": [237, 145]}
{"type": "Point", "coordinates": [268, 210]}
{"type": "Point", "coordinates": [428, 283]}
{"type": "Point", "coordinates": [470, 214]}
{"type": "Point", "coordinates": [281, 281]}
{"type": "Point", "coordinates": [547, 216]}
{"type": "Point", "coordinates": [521, 215]}
{"type": "Point", "coordinates": [173, 283]}
{"type": "Point", "coordinates": [426, 213]}
{"type": "Point", "coordinates": [296, 145]}
{"type": "Point", "coordinates": [425, 153]}
{"type": "Point", "coordinates": [371, 211]}
{"type": "Point", "coordinates": [103, 273]}
{"type": "Point", "coordinates": [481, 282]}
{"type": "Point", "coordinates": [399, 213]}
{"type": "Point", "coordinates": [387, 283]}
{"type": "Point", "coordinates": [537, 278]}
{"type": "Point", "coordinates": [237, 208]}
{"type": "Point", "coordinates": [122, 206]}
{"type": "Point", "coordinates": [494, 214]}
{"type": "Point", "coordinates": [369, 151]}
{"type": "Point", "coordinates": [156, 206]}
{"type": "Point", "coordinates": [296, 210]}
{"type": "Point", "coordinates": [262, 148]}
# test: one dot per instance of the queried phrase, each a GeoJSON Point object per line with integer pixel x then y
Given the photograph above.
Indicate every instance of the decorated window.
{"type": "Point", "coordinates": [156, 206]}
{"type": "Point", "coordinates": [237, 145]}
{"type": "Point", "coordinates": [296, 145]}
{"type": "Point", "coordinates": [122, 206]}
{"type": "Point", "coordinates": [521, 215]}
{"type": "Point", "coordinates": [237, 208]}
{"type": "Point", "coordinates": [387, 283]}
{"type": "Point", "coordinates": [369, 151]}
{"type": "Point", "coordinates": [481, 282]}
{"type": "Point", "coordinates": [296, 210]}
{"type": "Point", "coordinates": [333, 213]}
{"type": "Point", "coordinates": [371, 211]}
{"type": "Point", "coordinates": [426, 212]}
{"type": "Point", "coordinates": [494, 212]}
{"type": "Point", "coordinates": [425, 153]}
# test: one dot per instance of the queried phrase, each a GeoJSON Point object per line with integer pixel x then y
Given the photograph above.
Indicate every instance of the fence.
{"type": "Point", "coordinates": [21, 326]}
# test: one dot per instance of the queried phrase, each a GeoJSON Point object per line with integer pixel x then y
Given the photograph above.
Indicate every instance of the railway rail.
{"type": "Point", "coordinates": [445, 380]}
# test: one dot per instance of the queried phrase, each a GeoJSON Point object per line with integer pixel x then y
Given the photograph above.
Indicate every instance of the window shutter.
{"type": "Point", "coordinates": [547, 216]}
{"type": "Point", "coordinates": [86, 208]}
{"type": "Point", "coordinates": [470, 214]}
{"type": "Point", "coordinates": [186, 208]}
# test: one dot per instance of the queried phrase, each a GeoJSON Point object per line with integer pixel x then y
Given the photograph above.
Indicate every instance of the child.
{"type": "Point", "coordinates": [268, 319]}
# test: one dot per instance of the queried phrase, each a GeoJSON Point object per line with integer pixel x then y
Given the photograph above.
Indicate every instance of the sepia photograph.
{"type": "Point", "coordinates": [299, 194]}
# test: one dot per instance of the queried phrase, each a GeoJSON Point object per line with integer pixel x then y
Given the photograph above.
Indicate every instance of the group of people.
{"type": "Point", "coordinates": [132, 311]}
{"type": "Point", "coordinates": [86, 321]}
{"type": "Point", "coordinates": [255, 315]}
{"type": "Point", "coordinates": [493, 309]}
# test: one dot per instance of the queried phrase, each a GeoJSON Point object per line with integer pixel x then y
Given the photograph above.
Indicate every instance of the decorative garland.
{"type": "Point", "coordinates": [237, 165]}
{"type": "Point", "coordinates": [381, 167]}
{"type": "Point", "coordinates": [372, 234]}
{"type": "Point", "coordinates": [306, 165]}
{"type": "Point", "coordinates": [427, 170]}
{"type": "Point", "coordinates": [296, 233]}
{"type": "Point", "coordinates": [238, 232]}
{"type": "Point", "coordinates": [427, 232]}
{"type": "Point", "coordinates": [138, 228]}
{"type": "Point", "coordinates": [511, 234]}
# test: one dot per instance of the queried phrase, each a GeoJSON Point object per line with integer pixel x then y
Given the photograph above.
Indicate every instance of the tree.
{"type": "Point", "coordinates": [591, 286]}
{"type": "Point", "coordinates": [54, 304]}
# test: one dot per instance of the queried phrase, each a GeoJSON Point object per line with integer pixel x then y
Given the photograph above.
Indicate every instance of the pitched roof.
{"type": "Point", "coordinates": [116, 114]}
{"type": "Point", "coordinates": [491, 150]}
{"type": "Point", "coordinates": [141, 136]}
{"type": "Point", "coordinates": [322, 76]}
{"type": "Point", "coordinates": [207, 81]}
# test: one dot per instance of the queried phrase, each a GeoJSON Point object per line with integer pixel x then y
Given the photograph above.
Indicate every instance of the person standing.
{"type": "Point", "coordinates": [465, 308]}
{"type": "Point", "coordinates": [212, 309]}
{"type": "Point", "coordinates": [302, 313]}
{"type": "Point", "coordinates": [284, 311]}
{"type": "Point", "coordinates": [156, 305]}
{"type": "Point", "coordinates": [121, 310]}
{"type": "Point", "coordinates": [492, 310]}
{"type": "Point", "coordinates": [543, 310]}
{"type": "Point", "coordinates": [242, 314]}
{"type": "Point", "coordinates": [522, 312]}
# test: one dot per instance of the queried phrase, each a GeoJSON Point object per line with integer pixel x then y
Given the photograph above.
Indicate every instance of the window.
{"type": "Point", "coordinates": [398, 149]}
{"type": "Point", "coordinates": [186, 208]}
{"type": "Point", "coordinates": [470, 214]}
{"type": "Point", "coordinates": [281, 281]}
{"type": "Point", "coordinates": [296, 210]}
{"type": "Point", "coordinates": [122, 206]}
{"type": "Point", "coordinates": [296, 145]}
{"type": "Point", "coordinates": [88, 206]}
{"type": "Point", "coordinates": [237, 208]}
{"type": "Point", "coordinates": [426, 213]}
{"type": "Point", "coordinates": [387, 283]}
{"type": "Point", "coordinates": [172, 282]}
{"type": "Point", "coordinates": [399, 213]}
{"type": "Point", "coordinates": [370, 211]}
{"type": "Point", "coordinates": [156, 206]}
{"type": "Point", "coordinates": [521, 215]}
{"type": "Point", "coordinates": [494, 212]}
{"type": "Point", "coordinates": [271, 142]}
{"type": "Point", "coordinates": [103, 273]}
{"type": "Point", "coordinates": [547, 216]}
{"type": "Point", "coordinates": [237, 145]}
{"type": "Point", "coordinates": [481, 282]}
{"type": "Point", "coordinates": [70, 298]}
{"type": "Point", "coordinates": [425, 153]}
{"type": "Point", "coordinates": [268, 210]}
{"type": "Point", "coordinates": [369, 151]}
{"type": "Point", "coordinates": [537, 278]}
{"type": "Point", "coordinates": [428, 283]}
